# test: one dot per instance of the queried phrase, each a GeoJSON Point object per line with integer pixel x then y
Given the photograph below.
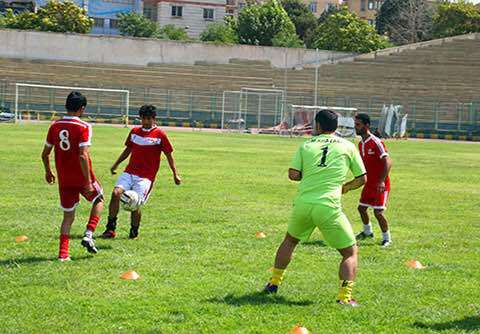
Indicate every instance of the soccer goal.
{"type": "Point", "coordinates": [37, 102]}
{"type": "Point", "coordinates": [252, 108]}
{"type": "Point", "coordinates": [302, 120]}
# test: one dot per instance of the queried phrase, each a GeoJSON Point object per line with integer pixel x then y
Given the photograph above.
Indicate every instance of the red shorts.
{"type": "Point", "coordinates": [70, 196]}
{"type": "Point", "coordinates": [373, 199]}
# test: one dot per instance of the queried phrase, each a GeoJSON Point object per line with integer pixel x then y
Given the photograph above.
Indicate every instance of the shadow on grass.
{"type": "Point", "coordinates": [257, 298]}
{"type": "Point", "coordinates": [37, 259]}
{"type": "Point", "coordinates": [319, 243]}
{"type": "Point", "coordinates": [471, 323]}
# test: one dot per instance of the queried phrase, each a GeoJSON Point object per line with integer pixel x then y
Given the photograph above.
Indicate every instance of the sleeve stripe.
{"type": "Point", "coordinates": [384, 155]}
{"type": "Point", "coordinates": [86, 143]}
{"type": "Point", "coordinates": [48, 144]}
{"type": "Point", "coordinates": [380, 147]}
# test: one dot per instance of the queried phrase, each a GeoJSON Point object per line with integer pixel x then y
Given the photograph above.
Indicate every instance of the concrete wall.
{"type": "Point", "coordinates": [138, 51]}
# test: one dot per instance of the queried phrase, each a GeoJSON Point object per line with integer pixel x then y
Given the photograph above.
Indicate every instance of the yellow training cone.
{"type": "Point", "coordinates": [21, 238]}
{"type": "Point", "coordinates": [299, 330]}
{"type": "Point", "coordinates": [414, 264]}
{"type": "Point", "coordinates": [130, 275]}
{"type": "Point", "coordinates": [260, 235]}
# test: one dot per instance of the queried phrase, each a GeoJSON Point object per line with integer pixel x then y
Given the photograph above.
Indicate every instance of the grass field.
{"type": "Point", "coordinates": [201, 266]}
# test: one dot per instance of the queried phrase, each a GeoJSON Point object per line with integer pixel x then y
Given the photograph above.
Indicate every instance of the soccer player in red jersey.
{"type": "Point", "coordinates": [71, 138]}
{"type": "Point", "coordinates": [144, 145]}
{"type": "Point", "coordinates": [375, 193]}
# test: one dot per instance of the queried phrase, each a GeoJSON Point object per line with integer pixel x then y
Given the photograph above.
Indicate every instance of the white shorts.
{"type": "Point", "coordinates": [138, 184]}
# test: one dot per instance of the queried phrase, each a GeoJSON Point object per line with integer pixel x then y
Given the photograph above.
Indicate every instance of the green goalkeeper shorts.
{"type": "Point", "coordinates": [333, 224]}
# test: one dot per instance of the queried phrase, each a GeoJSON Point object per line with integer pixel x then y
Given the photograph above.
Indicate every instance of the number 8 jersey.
{"type": "Point", "coordinates": [67, 135]}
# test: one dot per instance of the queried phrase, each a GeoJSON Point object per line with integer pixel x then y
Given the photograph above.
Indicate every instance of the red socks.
{"type": "Point", "coordinates": [63, 251]}
{"type": "Point", "coordinates": [92, 223]}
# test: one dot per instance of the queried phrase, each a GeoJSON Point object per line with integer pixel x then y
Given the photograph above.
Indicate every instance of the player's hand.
{"type": "Point", "coordinates": [49, 177]}
{"type": "Point", "coordinates": [89, 189]}
{"type": "Point", "coordinates": [381, 187]}
{"type": "Point", "coordinates": [177, 179]}
{"type": "Point", "coordinates": [113, 170]}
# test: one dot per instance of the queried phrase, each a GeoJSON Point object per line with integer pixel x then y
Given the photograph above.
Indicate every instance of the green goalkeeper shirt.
{"type": "Point", "coordinates": [324, 161]}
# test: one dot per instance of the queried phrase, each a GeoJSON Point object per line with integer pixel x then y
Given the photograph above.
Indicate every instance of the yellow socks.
{"type": "Point", "coordinates": [345, 293]}
{"type": "Point", "coordinates": [277, 276]}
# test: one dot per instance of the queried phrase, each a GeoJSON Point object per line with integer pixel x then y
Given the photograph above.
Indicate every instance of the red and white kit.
{"type": "Point", "coordinates": [67, 135]}
{"type": "Point", "coordinates": [146, 147]}
{"type": "Point", "coordinates": [373, 150]}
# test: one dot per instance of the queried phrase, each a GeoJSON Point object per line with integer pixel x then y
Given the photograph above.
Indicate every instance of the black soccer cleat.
{"type": "Point", "coordinates": [89, 244]}
{"type": "Point", "coordinates": [362, 236]}
{"type": "Point", "coordinates": [133, 232]}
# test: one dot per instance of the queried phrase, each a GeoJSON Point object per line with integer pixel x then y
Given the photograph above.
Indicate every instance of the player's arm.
{"type": "Point", "coordinates": [84, 156]}
{"type": "Point", "coordinates": [358, 170]}
{"type": "Point", "coordinates": [354, 184]}
{"type": "Point", "coordinates": [386, 166]}
{"type": "Point", "coordinates": [124, 155]}
{"type": "Point", "coordinates": [171, 162]}
{"type": "Point", "coordinates": [49, 177]}
{"type": "Point", "coordinates": [294, 175]}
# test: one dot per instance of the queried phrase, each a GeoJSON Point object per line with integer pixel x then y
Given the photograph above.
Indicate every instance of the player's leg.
{"type": "Point", "coordinates": [135, 218]}
{"type": "Point", "coordinates": [299, 228]}
{"type": "Point", "coordinates": [338, 233]}
{"type": "Point", "coordinates": [68, 218]}
{"type": "Point", "coordinates": [143, 187]}
{"type": "Point", "coordinates": [347, 274]}
{"type": "Point", "coordinates": [365, 202]}
{"type": "Point", "coordinates": [97, 206]}
{"type": "Point", "coordinates": [382, 221]}
{"type": "Point", "coordinates": [69, 199]}
{"type": "Point", "coordinates": [124, 183]}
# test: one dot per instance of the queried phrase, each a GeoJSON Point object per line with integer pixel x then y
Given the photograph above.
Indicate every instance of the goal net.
{"type": "Point", "coordinates": [37, 102]}
{"type": "Point", "coordinates": [302, 120]}
{"type": "Point", "coordinates": [252, 109]}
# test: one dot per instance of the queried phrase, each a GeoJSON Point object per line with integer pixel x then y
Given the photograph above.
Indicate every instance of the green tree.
{"type": "Point", "coordinates": [405, 21]}
{"type": "Point", "coordinates": [136, 25]}
{"type": "Point", "coordinates": [220, 33]}
{"type": "Point", "coordinates": [326, 13]}
{"type": "Point", "coordinates": [287, 40]}
{"type": "Point", "coordinates": [64, 16]}
{"type": "Point", "coordinates": [172, 32]}
{"type": "Point", "coordinates": [303, 19]}
{"type": "Point", "coordinates": [258, 24]}
{"type": "Point", "coordinates": [453, 19]}
{"type": "Point", "coordinates": [22, 21]}
{"type": "Point", "coordinates": [345, 31]}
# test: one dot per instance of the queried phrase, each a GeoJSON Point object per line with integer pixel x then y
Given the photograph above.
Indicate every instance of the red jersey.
{"type": "Point", "coordinates": [146, 146]}
{"type": "Point", "coordinates": [372, 150]}
{"type": "Point", "coordinates": [67, 136]}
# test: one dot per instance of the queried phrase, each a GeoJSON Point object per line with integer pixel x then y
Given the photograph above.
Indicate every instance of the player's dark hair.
{"type": "Point", "coordinates": [364, 118]}
{"type": "Point", "coordinates": [147, 110]}
{"type": "Point", "coordinates": [75, 101]}
{"type": "Point", "coordinates": [327, 119]}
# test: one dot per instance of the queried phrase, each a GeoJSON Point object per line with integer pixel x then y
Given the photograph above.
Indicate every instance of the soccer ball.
{"type": "Point", "coordinates": [130, 200]}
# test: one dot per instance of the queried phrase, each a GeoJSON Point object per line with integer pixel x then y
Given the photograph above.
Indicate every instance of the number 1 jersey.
{"type": "Point", "coordinates": [67, 135]}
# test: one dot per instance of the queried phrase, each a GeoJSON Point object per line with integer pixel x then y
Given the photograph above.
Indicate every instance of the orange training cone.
{"type": "Point", "coordinates": [21, 238]}
{"type": "Point", "coordinates": [414, 264]}
{"type": "Point", "coordinates": [130, 275]}
{"type": "Point", "coordinates": [260, 235]}
{"type": "Point", "coordinates": [299, 330]}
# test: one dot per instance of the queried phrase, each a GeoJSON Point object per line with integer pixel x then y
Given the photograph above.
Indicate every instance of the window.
{"type": "Point", "coordinates": [177, 11]}
{"type": "Point", "coordinates": [208, 14]}
{"type": "Point", "coordinates": [113, 24]}
{"type": "Point", "coordinates": [363, 5]}
{"type": "Point", "coordinates": [98, 22]}
{"type": "Point", "coordinates": [313, 6]}
{"type": "Point", "coordinates": [371, 5]}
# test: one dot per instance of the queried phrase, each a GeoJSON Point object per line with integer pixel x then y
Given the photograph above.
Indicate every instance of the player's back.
{"type": "Point", "coordinates": [67, 136]}
{"type": "Point", "coordinates": [326, 161]}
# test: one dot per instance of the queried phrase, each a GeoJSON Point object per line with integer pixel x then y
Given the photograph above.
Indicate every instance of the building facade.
{"type": "Point", "coordinates": [366, 9]}
{"type": "Point", "coordinates": [193, 16]}
{"type": "Point", "coordinates": [104, 12]}
{"type": "Point", "coordinates": [317, 7]}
